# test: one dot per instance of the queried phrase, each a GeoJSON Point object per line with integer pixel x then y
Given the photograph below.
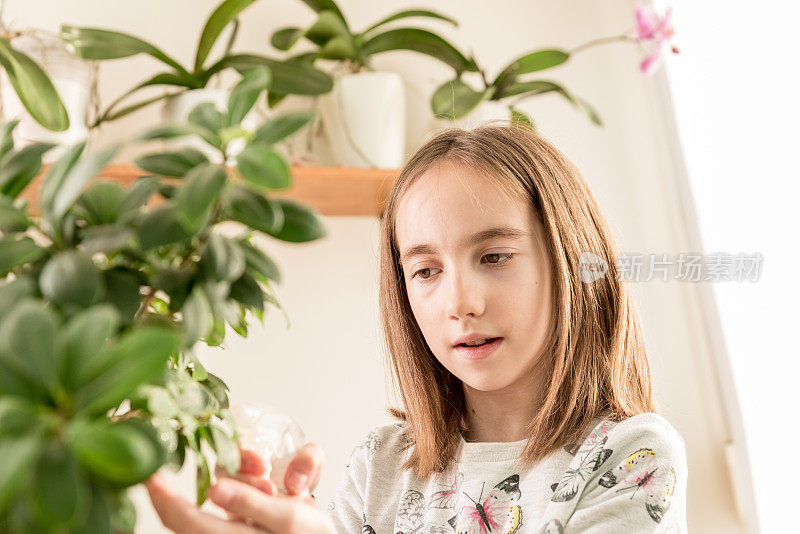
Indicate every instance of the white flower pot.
{"type": "Point", "coordinates": [176, 110]}
{"type": "Point", "coordinates": [72, 78]}
{"type": "Point", "coordinates": [364, 119]}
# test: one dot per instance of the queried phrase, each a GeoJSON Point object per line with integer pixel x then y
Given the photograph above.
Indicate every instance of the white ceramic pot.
{"type": "Point", "coordinates": [72, 78]}
{"type": "Point", "coordinates": [364, 119]}
{"type": "Point", "coordinates": [176, 110]}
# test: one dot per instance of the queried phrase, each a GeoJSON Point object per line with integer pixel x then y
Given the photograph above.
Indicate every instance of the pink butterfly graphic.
{"type": "Point", "coordinates": [641, 470]}
{"type": "Point", "coordinates": [499, 512]}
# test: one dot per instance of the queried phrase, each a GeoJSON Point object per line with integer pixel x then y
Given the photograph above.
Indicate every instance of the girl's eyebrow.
{"type": "Point", "coordinates": [474, 239]}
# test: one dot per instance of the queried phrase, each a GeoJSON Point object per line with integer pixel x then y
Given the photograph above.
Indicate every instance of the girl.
{"type": "Point", "coordinates": [525, 383]}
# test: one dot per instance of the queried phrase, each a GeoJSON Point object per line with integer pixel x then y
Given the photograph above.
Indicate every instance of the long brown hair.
{"type": "Point", "coordinates": [595, 354]}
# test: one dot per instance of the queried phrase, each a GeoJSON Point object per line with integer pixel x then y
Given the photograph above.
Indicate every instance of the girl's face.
{"type": "Point", "coordinates": [500, 286]}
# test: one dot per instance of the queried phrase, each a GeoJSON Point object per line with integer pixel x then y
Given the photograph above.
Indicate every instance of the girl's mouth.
{"type": "Point", "coordinates": [480, 351]}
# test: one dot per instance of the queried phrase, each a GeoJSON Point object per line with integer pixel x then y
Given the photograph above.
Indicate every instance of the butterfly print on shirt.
{"type": "Point", "coordinates": [370, 443]}
{"type": "Point", "coordinates": [641, 470]}
{"type": "Point", "coordinates": [413, 512]}
{"type": "Point", "coordinates": [589, 457]}
{"type": "Point", "coordinates": [499, 512]}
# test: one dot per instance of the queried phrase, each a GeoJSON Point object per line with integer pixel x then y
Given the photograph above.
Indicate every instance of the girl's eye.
{"type": "Point", "coordinates": [498, 262]}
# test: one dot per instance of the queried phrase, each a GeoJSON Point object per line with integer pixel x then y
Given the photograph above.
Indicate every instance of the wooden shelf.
{"type": "Point", "coordinates": [333, 191]}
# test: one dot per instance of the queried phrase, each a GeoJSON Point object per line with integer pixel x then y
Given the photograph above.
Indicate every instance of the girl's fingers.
{"type": "Point", "coordinates": [252, 463]}
{"type": "Point", "coordinates": [265, 485]}
{"type": "Point", "coordinates": [275, 514]}
{"type": "Point", "coordinates": [182, 517]}
{"type": "Point", "coordinates": [305, 469]}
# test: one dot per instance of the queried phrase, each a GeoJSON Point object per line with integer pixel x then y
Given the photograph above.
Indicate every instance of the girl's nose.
{"type": "Point", "coordinates": [464, 296]}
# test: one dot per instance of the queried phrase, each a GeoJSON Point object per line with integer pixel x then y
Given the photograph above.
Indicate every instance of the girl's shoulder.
{"type": "Point", "coordinates": [383, 443]}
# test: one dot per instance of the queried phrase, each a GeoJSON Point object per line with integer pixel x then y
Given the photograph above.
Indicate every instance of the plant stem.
{"type": "Point", "coordinates": [601, 40]}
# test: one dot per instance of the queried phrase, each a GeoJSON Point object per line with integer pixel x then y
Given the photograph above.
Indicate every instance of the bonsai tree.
{"type": "Point", "coordinates": [288, 77]}
{"type": "Point", "coordinates": [105, 294]}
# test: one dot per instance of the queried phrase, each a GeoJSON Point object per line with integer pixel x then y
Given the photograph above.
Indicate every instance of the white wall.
{"type": "Point", "coordinates": [326, 370]}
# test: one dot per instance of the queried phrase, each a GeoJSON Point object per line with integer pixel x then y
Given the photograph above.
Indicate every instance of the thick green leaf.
{"type": "Point", "coordinates": [97, 521]}
{"type": "Point", "coordinates": [208, 116]}
{"type": "Point", "coordinates": [254, 210]}
{"type": "Point", "coordinates": [456, 99]}
{"type": "Point", "coordinates": [338, 47]}
{"type": "Point", "coordinates": [282, 126]}
{"type": "Point", "coordinates": [122, 290]}
{"type": "Point", "coordinates": [176, 163]}
{"type": "Point", "coordinates": [17, 416]}
{"type": "Point", "coordinates": [223, 15]}
{"type": "Point", "coordinates": [137, 196]}
{"type": "Point", "coordinates": [324, 5]}
{"type": "Point", "coordinates": [328, 25]}
{"type": "Point", "coordinates": [421, 41]}
{"type": "Point", "coordinates": [19, 455]}
{"type": "Point", "coordinates": [34, 88]}
{"type": "Point", "coordinates": [161, 226]}
{"type": "Point", "coordinates": [410, 13]}
{"type": "Point", "coordinates": [16, 252]}
{"type": "Point", "coordinates": [288, 77]}
{"type": "Point", "coordinates": [71, 278]}
{"type": "Point", "coordinates": [244, 95]}
{"type": "Point", "coordinates": [27, 342]}
{"type": "Point", "coordinates": [107, 238]}
{"type": "Point", "coordinates": [14, 383]}
{"type": "Point", "coordinates": [199, 194]}
{"type": "Point", "coordinates": [61, 494]}
{"type": "Point", "coordinates": [95, 43]}
{"type": "Point", "coordinates": [176, 283]}
{"type": "Point", "coordinates": [197, 318]}
{"type": "Point", "coordinates": [70, 186]}
{"type": "Point", "coordinates": [300, 222]}
{"type": "Point", "coordinates": [223, 259]}
{"type": "Point", "coordinates": [12, 218]}
{"type": "Point", "coordinates": [246, 291]}
{"type": "Point", "coordinates": [83, 342]}
{"type": "Point", "coordinates": [102, 201]}
{"type": "Point", "coordinates": [137, 357]}
{"type": "Point", "coordinates": [263, 167]}
{"type": "Point", "coordinates": [14, 291]}
{"type": "Point", "coordinates": [17, 169]}
{"type": "Point", "coordinates": [7, 137]}
{"type": "Point", "coordinates": [203, 480]}
{"type": "Point", "coordinates": [285, 38]}
{"type": "Point", "coordinates": [259, 264]}
{"type": "Point", "coordinates": [538, 60]}
{"type": "Point", "coordinates": [123, 453]}
{"type": "Point", "coordinates": [519, 117]}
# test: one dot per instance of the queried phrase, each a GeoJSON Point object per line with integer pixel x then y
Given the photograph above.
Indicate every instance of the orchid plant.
{"type": "Point", "coordinates": [455, 98]}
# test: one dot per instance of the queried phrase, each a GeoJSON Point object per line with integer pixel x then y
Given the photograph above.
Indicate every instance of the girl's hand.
{"type": "Point", "coordinates": [259, 512]}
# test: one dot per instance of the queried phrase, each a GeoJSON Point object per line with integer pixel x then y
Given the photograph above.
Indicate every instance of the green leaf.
{"type": "Point", "coordinates": [12, 218]}
{"type": "Point", "coordinates": [288, 77]}
{"type": "Point", "coordinates": [285, 38]}
{"type": "Point", "coordinates": [61, 494]}
{"type": "Point", "coordinates": [244, 95]}
{"type": "Point", "coordinates": [246, 291]}
{"type": "Point", "coordinates": [17, 415]}
{"type": "Point", "coordinates": [161, 226]}
{"type": "Point", "coordinates": [300, 223]}
{"type": "Point", "coordinates": [83, 341]}
{"type": "Point", "coordinates": [223, 15]}
{"type": "Point", "coordinates": [199, 194]}
{"type": "Point", "coordinates": [107, 238]}
{"type": "Point", "coordinates": [176, 163]}
{"type": "Point", "coordinates": [218, 389]}
{"type": "Point", "coordinates": [16, 252]}
{"type": "Point", "coordinates": [27, 342]}
{"type": "Point", "coordinates": [203, 480]}
{"type": "Point", "coordinates": [97, 521]}
{"type": "Point", "coordinates": [278, 128]}
{"type": "Point", "coordinates": [122, 290]}
{"type": "Point", "coordinates": [534, 61]}
{"type": "Point", "coordinates": [15, 290]}
{"type": "Point", "coordinates": [7, 137]}
{"type": "Point", "coordinates": [71, 278]}
{"type": "Point", "coordinates": [70, 186]}
{"type": "Point", "coordinates": [197, 318]}
{"type": "Point", "coordinates": [259, 264]}
{"type": "Point", "coordinates": [176, 283]}
{"type": "Point", "coordinates": [19, 456]}
{"type": "Point", "coordinates": [519, 117]}
{"type": "Point", "coordinates": [328, 25]}
{"type": "Point", "coordinates": [137, 196]}
{"type": "Point", "coordinates": [324, 5]}
{"type": "Point", "coordinates": [34, 88]}
{"type": "Point", "coordinates": [95, 43]}
{"type": "Point", "coordinates": [227, 449]}
{"type": "Point", "coordinates": [421, 41]}
{"type": "Point", "coordinates": [55, 177]}
{"type": "Point", "coordinates": [123, 453]}
{"type": "Point", "coordinates": [339, 47]}
{"type": "Point", "coordinates": [102, 201]}
{"type": "Point", "coordinates": [175, 131]}
{"type": "Point", "coordinates": [410, 13]}
{"type": "Point", "coordinates": [254, 210]}
{"type": "Point", "coordinates": [223, 259]}
{"type": "Point", "coordinates": [17, 169]}
{"type": "Point", "coordinates": [542, 86]}
{"type": "Point", "coordinates": [132, 108]}
{"type": "Point", "coordinates": [208, 116]}
{"type": "Point", "coordinates": [137, 357]}
{"type": "Point", "coordinates": [588, 110]}
{"type": "Point", "coordinates": [263, 167]}
{"type": "Point", "coordinates": [456, 99]}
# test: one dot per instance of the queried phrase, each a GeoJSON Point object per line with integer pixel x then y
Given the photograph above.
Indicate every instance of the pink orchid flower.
{"type": "Point", "coordinates": [653, 30]}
